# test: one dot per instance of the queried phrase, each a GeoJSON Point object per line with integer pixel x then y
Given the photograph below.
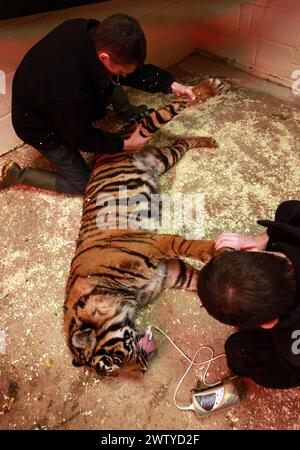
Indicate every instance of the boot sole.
{"type": "Point", "coordinates": [5, 169]}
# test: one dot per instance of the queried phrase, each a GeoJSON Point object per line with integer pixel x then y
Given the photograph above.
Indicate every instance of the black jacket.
{"type": "Point", "coordinates": [284, 236]}
{"type": "Point", "coordinates": [61, 87]}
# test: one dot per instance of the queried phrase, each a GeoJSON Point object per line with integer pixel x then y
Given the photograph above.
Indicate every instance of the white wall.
{"type": "Point", "coordinates": [259, 36]}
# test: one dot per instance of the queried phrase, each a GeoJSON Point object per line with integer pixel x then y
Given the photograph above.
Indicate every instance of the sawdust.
{"type": "Point", "coordinates": [255, 167]}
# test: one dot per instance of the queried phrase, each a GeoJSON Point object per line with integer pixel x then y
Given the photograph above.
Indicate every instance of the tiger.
{"type": "Point", "coordinates": [153, 120]}
{"type": "Point", "coordinates": [118, 269]}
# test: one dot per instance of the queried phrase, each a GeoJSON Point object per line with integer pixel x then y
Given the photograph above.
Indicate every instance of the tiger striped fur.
{"type": "Point", "coordinates": [157, 118]}
{"type": "Point", "coordinates": [117, 269]}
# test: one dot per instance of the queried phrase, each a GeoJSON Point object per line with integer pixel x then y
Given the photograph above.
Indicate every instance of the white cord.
{"type": "Point", "coordinates": [192, 363]}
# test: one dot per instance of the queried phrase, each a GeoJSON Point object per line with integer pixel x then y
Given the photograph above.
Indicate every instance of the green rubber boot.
{"type": "Point", "coordinates": [13, 174]}
{"type": "Point", "coordinates": [122, 106]}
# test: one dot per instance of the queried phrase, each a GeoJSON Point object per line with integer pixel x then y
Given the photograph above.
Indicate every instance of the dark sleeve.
{"type": "Point", "coordinates": [74, 122]}
{"type": "Point", "coordinates": [149, 78]}
{"type": "Point", "coordinates": [287, 213]}
{"type": "Point", "coordinates": [275, 235]}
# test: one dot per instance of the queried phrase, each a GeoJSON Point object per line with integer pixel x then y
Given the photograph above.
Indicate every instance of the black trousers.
{"type": "Point", "coordinates": [73, 172]}
{"type": "Point", "coordinates": [72, 169]}
{"type": "Point", "coordinates": [253, 354]}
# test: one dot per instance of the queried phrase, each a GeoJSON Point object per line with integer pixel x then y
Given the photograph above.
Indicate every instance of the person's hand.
{"type": "Point", "coordinates": [135, 142]}
{"type": "Point", "coordinates": [241, 242]}
{"type": "Point", "coordinates": [179, 90]}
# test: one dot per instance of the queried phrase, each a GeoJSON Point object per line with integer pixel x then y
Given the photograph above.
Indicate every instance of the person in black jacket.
{"type": "Point", "coordinates": [65, 82]}
{"type": "Point", "coordinates": [258, 291]}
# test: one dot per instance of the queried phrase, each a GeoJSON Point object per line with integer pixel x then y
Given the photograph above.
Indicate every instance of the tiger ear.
{"type": "Point", "coordinates": [84, 339]}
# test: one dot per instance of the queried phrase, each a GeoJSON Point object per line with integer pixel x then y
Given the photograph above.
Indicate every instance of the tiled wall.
{"type": "Point", "coordinates": [169, 26]}
{"type": "Point", "coordinates": [260, 36]}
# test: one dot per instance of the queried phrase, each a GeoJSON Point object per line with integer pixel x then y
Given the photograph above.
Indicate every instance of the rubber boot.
{"type": "Point", "coordinates": [122, 106]}
{"type": "Point", "coordinates": [13, 174]}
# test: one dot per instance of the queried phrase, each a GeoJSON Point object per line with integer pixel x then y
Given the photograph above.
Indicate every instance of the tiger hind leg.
{"type": "Point", "coordinates": [180, 275]}
{"type": "Point", "coordinates": [162, 159]}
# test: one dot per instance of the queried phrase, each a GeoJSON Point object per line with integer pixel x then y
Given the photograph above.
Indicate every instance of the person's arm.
{"type": "Point", "coordinates": [241, 242]}
{"type": "Point", "coordinates": [287, 213]}
{"type": "Point", "coordinates": [74, 122]}
{"type": "Point", "coordinates": [151, 78]}
{"type": "Point", "coordinates": [135, 142]}
{"type": "Point", "coordinates": [286, 225]}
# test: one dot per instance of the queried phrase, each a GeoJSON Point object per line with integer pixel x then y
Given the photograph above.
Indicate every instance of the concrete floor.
{"type": "Point", "coordinates": [257, 166]}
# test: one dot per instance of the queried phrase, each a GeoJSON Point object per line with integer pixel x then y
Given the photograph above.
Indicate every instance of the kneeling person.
{"type": "Point", "coordinates": [256, 289]}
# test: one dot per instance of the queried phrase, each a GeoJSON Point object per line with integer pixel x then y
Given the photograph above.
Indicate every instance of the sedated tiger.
{"type": "Point", "coordinates": [116, 268]}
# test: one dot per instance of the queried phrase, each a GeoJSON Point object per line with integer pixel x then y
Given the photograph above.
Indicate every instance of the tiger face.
{"type": "Point", "coordinates": [119, 354]}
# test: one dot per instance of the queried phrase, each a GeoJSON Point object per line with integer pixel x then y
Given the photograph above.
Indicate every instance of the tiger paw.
{"type": "Point", "coordinates": [209, 142]}
{"type": "Point", "coordinates": [208, 88]}
{"type": "Point", "coordinates": [196, 142]}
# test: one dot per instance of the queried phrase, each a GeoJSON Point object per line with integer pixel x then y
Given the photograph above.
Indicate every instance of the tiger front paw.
{"type": "Point", "coordinates": [197, 142]}
{"type": "Point", "coordinates": [208, 88]}
{"type": "Point", "coordinates": [209, 142]}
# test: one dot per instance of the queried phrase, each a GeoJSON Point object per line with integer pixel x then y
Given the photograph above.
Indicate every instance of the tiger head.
{"type": "Point", "coordinates": [109, 352]}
